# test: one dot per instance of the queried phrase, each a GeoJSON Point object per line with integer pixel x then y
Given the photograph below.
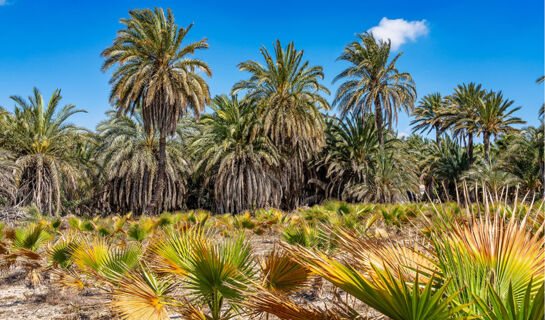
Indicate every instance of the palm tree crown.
{"type": "Point", "coordinates": [372, 79]}
{"type": "Point", "coordinates": [460, 115]}
{"type": "Point", "coordinates": [287, 93]}
{"type": "Point", "coordinates": [494, 117]}
{"type": "Point", "coordinates": [428, 114]}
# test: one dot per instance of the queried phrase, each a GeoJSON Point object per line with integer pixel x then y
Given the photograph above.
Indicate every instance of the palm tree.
{"type": "Point", "coordinates": [525, 158]}
{"type": "Point", "coordinates": [128, 155]}
{"type": "Point", "coordinates": [350, 154]}
{"type": "Point", "coordinates": [287, 96]}
{"type": "Point", "coordinates": [40, 142]}
{"type": "Point", "coordinates": [429, 115]}
{"type": "Point", "coordinates": [494, 117]}
{"type": "Point", "coordinates": [492, 175]}
{"type": "Point", "coordinates": [461, 116]}
{"type": "Point", "coordinates": [446, 163]}
{"type": "Point", "coordinates": [234, 147]}
{"type": "Point", "coordinates": [372, 79]}
{"type": "Point", "coordinates": [155, 70]}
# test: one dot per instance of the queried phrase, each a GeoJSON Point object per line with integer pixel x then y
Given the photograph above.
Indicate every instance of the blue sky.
{"type": "Point", "coordinates": [57, 44]}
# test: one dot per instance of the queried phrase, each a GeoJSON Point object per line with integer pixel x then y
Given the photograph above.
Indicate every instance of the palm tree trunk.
{"type": "Point", "coordinates": [157, 203]}
{"type": "Point", "coordinates": [437, 134]}
{"type": "Point", "coordinates": [378, 121]}
{"type": "Point", "coordinates": [486, 142]}
{"type": "Point", "coordinates": [470, 147]}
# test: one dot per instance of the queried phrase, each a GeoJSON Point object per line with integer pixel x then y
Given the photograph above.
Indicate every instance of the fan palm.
{"type": "Point", "coordinates": [372, 79]}
{"type": "Point", "coordinates": [494, 117]}
{"type": "Point", "coordinates": [233, 143]}
{"type": "Point", "coordinates": [288, 99]}
{"type": "Point", "coordinates": [461, 115]}
{"type": "Point", "coordinates": [154, 71]}
{"type": "Point", "coordinates": [128, 154]}
{"type": "Point", "coordinates": [40, 142]}
{"type": "Point", "coordinates": [428, 115]}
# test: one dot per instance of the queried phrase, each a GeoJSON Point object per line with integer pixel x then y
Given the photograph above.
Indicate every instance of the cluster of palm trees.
{"type": "Point", "coordinates": [270, 142]}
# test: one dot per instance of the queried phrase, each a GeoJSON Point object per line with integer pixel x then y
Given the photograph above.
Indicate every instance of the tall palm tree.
{"type": "Point", "coordinates": [40, 142]}
{"type": "Point", "coordinates": [428, 115]}
{"type": "Point", "coordinates": [233, 146]}
{"type": "Point", "coordinates": [287, 95]}
{"type": "Point", "coordinates": [372, 80]}
{"type": "Point", "coordinates": [156, 71]}
{"type": "Point", "coordinates": [128, 155]}
{"type": "Point", "coordinates": [461, 115]}
{"type": "Point", "coordinates": [494, 117]}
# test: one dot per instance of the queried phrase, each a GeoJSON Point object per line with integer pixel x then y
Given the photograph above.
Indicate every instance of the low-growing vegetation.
{"type": "Point", "coordinates": [332, 261]}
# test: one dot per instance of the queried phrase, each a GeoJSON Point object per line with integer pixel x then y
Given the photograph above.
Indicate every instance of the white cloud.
{"type": "Point", "coordinates": [399, 30]}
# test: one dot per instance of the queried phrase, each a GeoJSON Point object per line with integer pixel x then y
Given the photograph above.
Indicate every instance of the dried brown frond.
{"type": "Point", "coordinates": [264, 301]}
{"type": "Point", "coordinates": [281, 273]}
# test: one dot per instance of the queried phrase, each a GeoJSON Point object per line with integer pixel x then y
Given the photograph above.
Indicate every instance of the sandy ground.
{"type": "Point", "coordinates": [20, 301]}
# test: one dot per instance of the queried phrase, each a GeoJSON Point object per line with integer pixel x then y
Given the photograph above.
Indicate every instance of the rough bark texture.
{"type": "Point", "coordinates": [156, 206]}
{"type": "Point", "coordinates": [470, 147]}
{"type": "Point", "coordinates": [378, 121]}
{"type": "Point", "coordinates": [486, 142]}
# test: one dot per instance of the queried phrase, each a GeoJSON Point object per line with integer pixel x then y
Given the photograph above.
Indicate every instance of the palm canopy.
{"type": "Point", "coordinates": [154, 69]}
{"type": "Point", "coordinates": [40, 141]}
{"type": "Point", "coordinates": [494, 116]}
{"type": "Point", "coordinates": [233, 145]}
{"type": "Point", "coordinates": [372, 80]}
{"type": "Point", "coordinates": [288, 95]}
{"type": "Point", "coordinates": [128, 154]}
{"type": "Point", "coordinates": [460, 114]}
{"type": "Point", "coordinates": [350, 153]}
{"type": "Point", "coordinates": [428, 114]}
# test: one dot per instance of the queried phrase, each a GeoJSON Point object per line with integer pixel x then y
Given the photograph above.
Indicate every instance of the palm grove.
{"type": "Point", "coordinates": [270, 142]}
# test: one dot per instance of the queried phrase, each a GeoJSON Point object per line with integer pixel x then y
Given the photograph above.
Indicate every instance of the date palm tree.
{"type": "Point", "coordinates": [372, 82]}
{"type": "Point", "coordinates": [461, 116]}
{"type": "Point", "coordinates": [428, 115]}
{"type": "Point", "coordinates": [445, 164]}
{"type": "Point", "coordinates": [155, 69]}
{"type": "Point", "coordinates": [287, 95]}
{"type": "Point", "coordinates": [350, 154]}
{"type": "Point", "coordinates": [39, 141]}
{"type": "Point", "coordinates": [494, 117]}
{"type": "Point", "coordinates": [525, 158]}
{"type": "Point", "coordinates": [128, 155]}
{"type": "Point", "coordinates": [234, 147]}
